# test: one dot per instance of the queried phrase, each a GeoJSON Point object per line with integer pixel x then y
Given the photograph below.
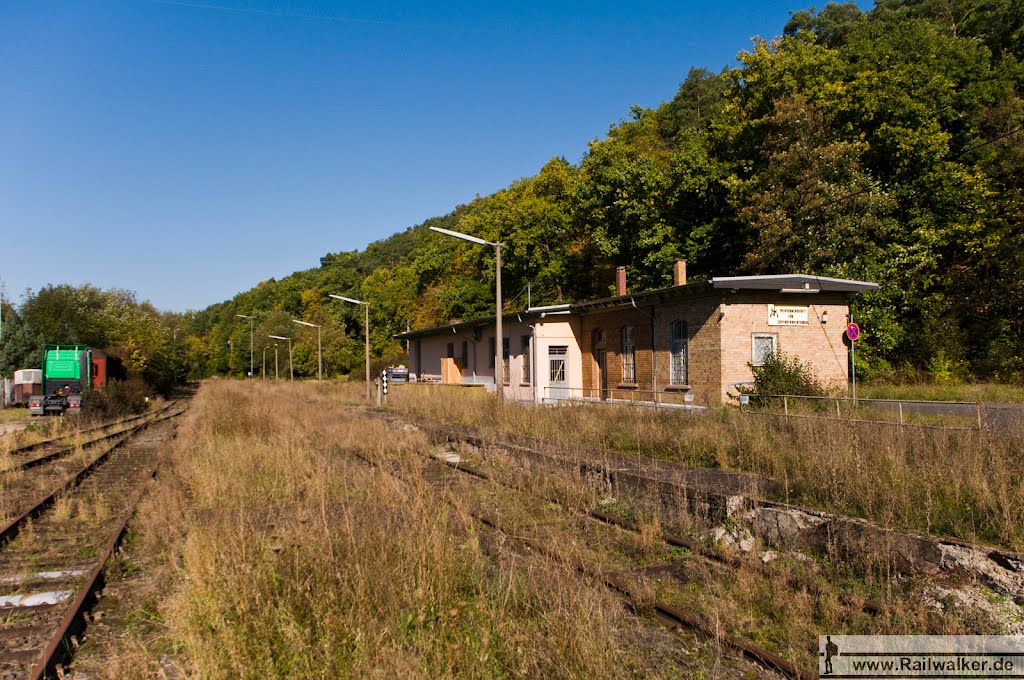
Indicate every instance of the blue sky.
{"type": "Point", "coordinates": [187, 150]}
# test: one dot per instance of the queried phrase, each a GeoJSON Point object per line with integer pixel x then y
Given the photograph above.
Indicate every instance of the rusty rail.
{"type": "Point", "coordinates": [11, 528]}
{"type": "Point", "coordinates": [64, 450]}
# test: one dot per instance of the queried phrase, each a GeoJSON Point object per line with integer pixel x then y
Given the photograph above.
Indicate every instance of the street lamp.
{"type": "Point", "coordinates": [264, 373]}
{"type": "Point", "coordinates": [275, 363]}
{"type": "Point", "coordinates": [319, 359]}
{"type": "Point", "coordinates": [246, 316]}
{"type": "Point", "coordinates": [366, 331]}
{"type": "Point", "coordinates": [290, 371]}
{"type": "Point", "coordinates": [499, 358]}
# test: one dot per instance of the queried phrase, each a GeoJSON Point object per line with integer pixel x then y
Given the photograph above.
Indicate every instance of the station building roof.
{"type": "Point", "coordinates": [796, 284]}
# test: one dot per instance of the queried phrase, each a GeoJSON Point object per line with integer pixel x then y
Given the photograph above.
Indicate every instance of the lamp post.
{"type": "Point", "coordinates": [264, 372]}
{"type": "Point", "coordinates": [275, 363]}
{"type": "Point", "coordinates": [230, 351]}
{"type": "Point", "coordinates": [291, 372]}
{"type": "Point", "coordinates": [319, 355]}
{"type": "Point", "coordinates": [246, 316]}
{"type": "Point", "coordinates": [366, 332]}
{"type": "Point", "coordinates": [499, 354]}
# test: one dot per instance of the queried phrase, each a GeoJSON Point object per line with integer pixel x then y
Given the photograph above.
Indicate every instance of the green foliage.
{"type": "Point", "coordinates": [119, 398]}
{"type": "Point", "coordinates": [152, 344]}
{"type": "Point", "coordinates": [21, 346]}
{"type": "Point", "coordinates": [781, 374]}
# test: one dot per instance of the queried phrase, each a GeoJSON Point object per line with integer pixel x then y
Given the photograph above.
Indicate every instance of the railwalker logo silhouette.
{"type": "Point", "coordinates": [831, 649]}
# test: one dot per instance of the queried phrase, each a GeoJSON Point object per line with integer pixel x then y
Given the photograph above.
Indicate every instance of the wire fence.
{"type": "Point", "coordinates": [913, 413]}
{"type": "Point", "coordinates": [947, 415]}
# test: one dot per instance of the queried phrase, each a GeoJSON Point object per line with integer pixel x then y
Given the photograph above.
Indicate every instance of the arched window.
{"type": "Point", "coordinates": [629, 354]}
{"type": "Point", "coordinates": [678, 347]}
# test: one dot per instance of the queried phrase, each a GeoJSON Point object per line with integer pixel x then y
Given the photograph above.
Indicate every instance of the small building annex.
{"type": "Point", "coordinates": [688, 344]}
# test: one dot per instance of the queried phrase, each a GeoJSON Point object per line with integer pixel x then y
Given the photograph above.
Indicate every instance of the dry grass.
{"type": "Point", "coordinates": [959, 484]}
{"type": "Point", "coordinates": [300, 561]}
{"type": "Point", "coordinates": [277, 553]}
{"type": "Point", "coordinates": [10, 413]}
{"type": "Point", "coordinates": [782, 606]}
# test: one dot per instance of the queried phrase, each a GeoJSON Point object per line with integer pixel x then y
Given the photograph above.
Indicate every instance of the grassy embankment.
{"type": "Point", "coordinates": [962, 484]}
{"type": "Point", "coordinates": [971, 392]}
{"type": "Point", "coordinates": [10, 413]}
{"type": "Point", "coordinates": [274, 552]}
{"type": "Point", "coordinates": [302, 561]}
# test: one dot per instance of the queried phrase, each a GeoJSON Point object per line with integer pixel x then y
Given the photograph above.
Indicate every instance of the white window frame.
{"type": "Point", "coordinates": [526, 378]}
{"type": "Point", "coordinates": [679, 354]}
{"type": "Point", "coordinates": [629, 355]}
{"type": "Point", "coordinates": [558, 355]}
{"type": "Point", "coordinates": [756, 360]}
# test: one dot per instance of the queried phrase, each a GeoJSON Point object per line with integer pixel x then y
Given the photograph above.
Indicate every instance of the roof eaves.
{"type": "Point", "coordinates": [658, 294]}
{"type": "Point", "coordinates": [792, 282]}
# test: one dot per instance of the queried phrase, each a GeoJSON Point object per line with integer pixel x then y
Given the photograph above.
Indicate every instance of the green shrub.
{"type": "Point", "coordinates": [784, 374]}
{"type": "Point", "coordinates": [118, 398]}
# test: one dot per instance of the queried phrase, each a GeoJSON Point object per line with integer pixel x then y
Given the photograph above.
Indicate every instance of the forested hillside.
{"type": "Point", "coordinates": [885, 146]}
{"type": "Point", "coordinates": [151, 342]}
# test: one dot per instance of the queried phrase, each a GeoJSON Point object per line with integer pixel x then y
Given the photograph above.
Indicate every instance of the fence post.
{"type": "Point", "coordinates": [978, 406]}
{"type": "Point", "coordinates": [900, 404]}
{"type": "Point", "coordinates": [839, 416]}
{"type": "Point", "coordinates": [785, 405]}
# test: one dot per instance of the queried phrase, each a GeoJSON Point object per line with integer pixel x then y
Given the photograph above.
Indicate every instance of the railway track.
{"type": "Point", "coordinates": [698, 549]}
{"type": "Point", "coordinates": [672, 616]}
{"type": "Point", "coordinates": [49, 449]}
{"type": "Point", "coordinates": [55, 544]}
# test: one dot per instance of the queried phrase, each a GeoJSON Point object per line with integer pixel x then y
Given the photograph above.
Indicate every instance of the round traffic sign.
{"type": "Point", "coordinates": [853, 331]}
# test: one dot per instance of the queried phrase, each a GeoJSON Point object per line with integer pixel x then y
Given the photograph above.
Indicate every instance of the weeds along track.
{"type": "Point", "coordinates": [29, 484]}
{"type": "Point", "coordinates": [515, 518]}
{"type": "Point", "coordinates": [700, 551]}
{"type": "Point", "coordinates": [44, 451]}
{"type": "Point", "coordinates": [724, 498]}
{"type": "Point", "coordinates": [61, 523]}
{"type": "Point", "coordinates": [776, 599]}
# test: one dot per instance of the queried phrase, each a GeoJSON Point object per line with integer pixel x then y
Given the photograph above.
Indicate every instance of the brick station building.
{"type": "Point", "coordinates": [706, 335]}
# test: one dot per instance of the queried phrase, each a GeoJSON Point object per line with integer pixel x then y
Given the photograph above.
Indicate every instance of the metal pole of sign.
{"type": "Point", "coordinates": [853, 363]}
{"type": "Point", "coordinates": [853, 369]}
{"type": "Point", "coordinates": [853, 334]}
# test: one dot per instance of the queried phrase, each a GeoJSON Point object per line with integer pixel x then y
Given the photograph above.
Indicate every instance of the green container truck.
{"type": "Point", "coordinates": [67, 374]}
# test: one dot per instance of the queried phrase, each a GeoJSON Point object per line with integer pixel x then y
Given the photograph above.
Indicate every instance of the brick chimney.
{"type": "Point", "coordinates": [679, 273]}
{"type": "Point", "coordinates": [620, 281]}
